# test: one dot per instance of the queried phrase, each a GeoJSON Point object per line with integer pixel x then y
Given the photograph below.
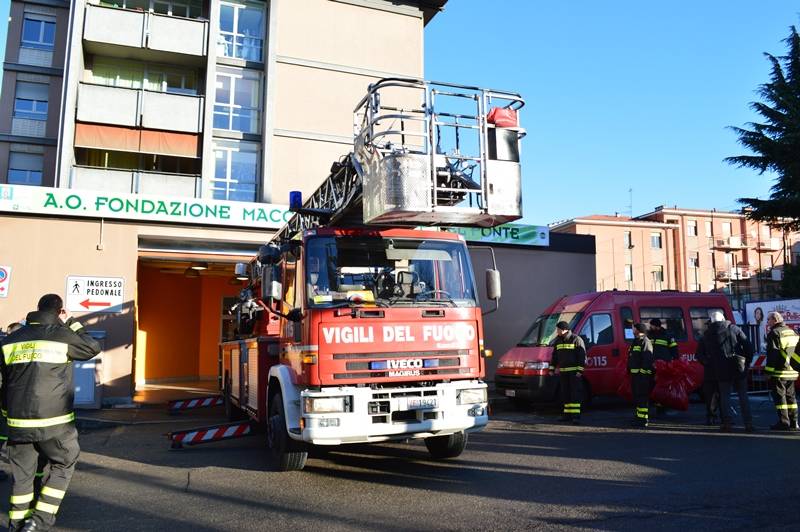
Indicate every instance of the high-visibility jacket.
{"type": "Point", "coordinates": [664, 346]}
{"type": "Point", "coordinates": [569, 353]}
{"type": "Point", "coordinates": [781, 355]}
{"type": "Point", "coordinates": [37, 392]}
{"type": "Point", "coordinates": [640, 357]}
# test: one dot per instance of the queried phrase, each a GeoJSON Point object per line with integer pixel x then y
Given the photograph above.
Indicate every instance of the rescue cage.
{"type": "Point", "coordinates": [434, 153]}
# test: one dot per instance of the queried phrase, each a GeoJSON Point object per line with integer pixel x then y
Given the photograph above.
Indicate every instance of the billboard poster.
{"type": "Point", "coordinates": [756, 315]}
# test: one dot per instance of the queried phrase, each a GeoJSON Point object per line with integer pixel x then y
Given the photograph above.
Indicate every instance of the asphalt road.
{"type": "Point", "coordinates": [526, 471]}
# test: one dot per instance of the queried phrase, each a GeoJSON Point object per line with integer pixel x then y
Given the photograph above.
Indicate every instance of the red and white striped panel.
{"type": "Point", "coordinates": [199, 402]}
{"type": "Point", "coordinates": [759, 362]}
{"type": "Point", "coordinates": [209, 434]}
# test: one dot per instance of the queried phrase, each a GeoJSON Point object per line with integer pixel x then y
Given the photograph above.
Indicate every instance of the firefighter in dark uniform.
{"type": "Point", "coordinates": [782, 365]}
{"type": "Point", "coordinates": [640, 367]}
{"type": "Point", "coordinates": [38, 398]}
{"type": "Point", "coordinates": [664, 346]}
{"type": "Point", "coordinates": [569, 357]}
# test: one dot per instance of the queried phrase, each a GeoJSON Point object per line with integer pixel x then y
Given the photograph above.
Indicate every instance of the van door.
{"type": "Point", "coordinates": [598, 334]}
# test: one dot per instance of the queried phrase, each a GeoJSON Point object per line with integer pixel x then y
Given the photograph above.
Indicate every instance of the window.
{"type": "Point", "coordinates": [25, 168]}
{"type": "Point", "coordinates": [700, 319]}
{"type": "Point", "coordinates": [626, 315]}
{"type": "Point", "coordinates": [238, 100]}
{"type": "Point", "coordinates": [726, 229]}
{"type": "Point", "coordinates": [235, 171]}
{"type": "Point", "coordinates": [626, 240]}
{"type": "Point", "coordinates": [658, 273]}
{"type": "Point", "coordinates": [671, 319]}
{"type": "Point", "coordinates": [38, 31]}
{"type": "Point", "coordinates": [629, 272]}
{"type": "Point", "coordinates": [691, 228]}
{"type": "Point", "coordinates": [241, 31]}
{"type": "Point", "coordinates": [694, 261]}
{"type": "Point", "coordinates": [597, 330]}
{"type": "Point", "coordinates": [179, 8]}
{"type": "Point", "coordinates": [30, 100]}
{"type": "Point", "coordinates": [709, 231]}
{"type": "Point", "coordinates": [147, 162]}
{"type": "Point", "coordinates": [132, 75]}
{"type": "Point", "coordinates": [655, 240]}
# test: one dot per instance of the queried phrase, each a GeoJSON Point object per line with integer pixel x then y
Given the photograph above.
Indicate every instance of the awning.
{"type": "Point", "coordinates": [118, 138]}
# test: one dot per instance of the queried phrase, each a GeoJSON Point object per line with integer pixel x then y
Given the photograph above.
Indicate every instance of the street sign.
{"type": "Point", "coordinates": [5, 280]}
{"type": "Point", "coordinates": [94, 294]}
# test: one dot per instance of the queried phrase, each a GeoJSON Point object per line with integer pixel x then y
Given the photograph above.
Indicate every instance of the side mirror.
{"type": "Point", "coordinates": [493, 287]}
{"type": "Point", "coordinates": [270, 288]}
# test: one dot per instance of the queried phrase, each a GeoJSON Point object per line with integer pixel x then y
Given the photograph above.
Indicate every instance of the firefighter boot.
{"type": "Point", "coordinates": [33, 526]}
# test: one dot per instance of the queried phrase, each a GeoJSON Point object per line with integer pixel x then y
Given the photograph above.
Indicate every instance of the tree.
{"type": "Point", "coordinates": [776, 141]}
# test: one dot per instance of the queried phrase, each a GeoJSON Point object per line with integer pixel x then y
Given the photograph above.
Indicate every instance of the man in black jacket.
{"type": "Point", "coordinates": [726, 355]}
{"type": "Point", "coordinates": [640, 368]}
{"type": "Point", "coordinates": [569, 356]}
{"type": "Point", "coordinates": [37, 396]}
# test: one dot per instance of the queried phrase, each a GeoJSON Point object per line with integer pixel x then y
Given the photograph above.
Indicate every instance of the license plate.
{"type": "Point", "coordinates": [425, 402]}
{"type": "Point", "coordinates": [511, 393]}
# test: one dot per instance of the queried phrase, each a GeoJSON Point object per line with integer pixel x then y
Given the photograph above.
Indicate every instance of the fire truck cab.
{"type": "Point", "coordinates": [605, 322]}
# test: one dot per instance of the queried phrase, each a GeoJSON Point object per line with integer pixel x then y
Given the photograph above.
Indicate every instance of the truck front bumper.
{"type": "Point", "coordinates": [385, 414]}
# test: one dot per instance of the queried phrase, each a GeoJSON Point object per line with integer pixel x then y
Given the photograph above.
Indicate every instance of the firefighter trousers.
{"type": "Point", "coordinates": [62, 454]}
{"type": "Point", "coordinates": [783, 396]}
{"type": "Point", "coordinates": [641, 385]}
{"type": "Point", "coordinates": [571, 394]}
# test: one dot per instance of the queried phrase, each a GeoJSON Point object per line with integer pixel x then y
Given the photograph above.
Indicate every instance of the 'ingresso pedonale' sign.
{"type": "Point", "coordinates": [99, 204]}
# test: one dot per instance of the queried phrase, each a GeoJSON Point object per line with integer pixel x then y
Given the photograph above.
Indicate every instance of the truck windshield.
{"type": "Point", "coordinates": [342, 271]}
{"type": "Point", "coordinates": [543, 329]}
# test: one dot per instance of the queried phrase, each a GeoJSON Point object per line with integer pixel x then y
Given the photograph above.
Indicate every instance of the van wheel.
{"type": "Point", "coordinates": [287, 454]}
{"type": "Point", "coordinates": [448, 446]}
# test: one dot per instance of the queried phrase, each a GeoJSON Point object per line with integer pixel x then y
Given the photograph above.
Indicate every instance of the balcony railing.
{"type": "Point", "coordinates": [770, 244]}
{"type": "Point", "coordinates": [734, 274]}
{"type": "Point", "coordinates": [147, 30]}
{"type": "Point", "coordinates": [729, 243]}
{"type": "Point", "coordinates": [135, 182]}
{"type": "Point", "coordinates": [100, 104]}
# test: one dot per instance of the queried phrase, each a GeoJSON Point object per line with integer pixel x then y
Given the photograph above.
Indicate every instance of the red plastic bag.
{"type": "Point", "coordinates": [694, 375]}
{"type": "Point", "coordinates": [502, 117]}
{"type": "Point", "coordinates": [670, 389]}
{"type": "Point", "coordinates": [625, 391]}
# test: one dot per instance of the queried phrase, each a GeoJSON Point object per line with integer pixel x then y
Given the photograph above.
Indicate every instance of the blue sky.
{"type": "Point", "coordinates": [620, 94]}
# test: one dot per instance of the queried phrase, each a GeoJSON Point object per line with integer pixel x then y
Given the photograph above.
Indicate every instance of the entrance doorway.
{"type": "Point", "coordinates": [182, 314]}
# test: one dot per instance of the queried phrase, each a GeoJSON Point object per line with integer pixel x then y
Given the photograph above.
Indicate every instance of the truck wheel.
{"type": "Point", "coordinates": [446, 446]}
{"type": "Point", "coordinates": [287, 454]}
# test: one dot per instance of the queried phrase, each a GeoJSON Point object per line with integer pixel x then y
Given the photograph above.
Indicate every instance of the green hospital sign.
{"type": "Point", "coordinates": [95, 204]}
{"type": "Point", "coordinates": [518, 234]}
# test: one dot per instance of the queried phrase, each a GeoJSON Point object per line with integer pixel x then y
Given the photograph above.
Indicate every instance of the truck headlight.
{"type": "Point", "coordinates": [325, 405]}
{"type": "Point", "coordinates": [537, 365]}
{"type": "Point", "coordinates": [471, 396]}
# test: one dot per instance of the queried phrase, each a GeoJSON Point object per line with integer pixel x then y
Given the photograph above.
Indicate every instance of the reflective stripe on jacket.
{"type": "Point", "coordinates": [640, 356]}
{"type": "Point", "coordinates": [781, 344]}
{"type": "Point", "coordinates": [569, 353]}
{"type": "Point", "coordinates": [37, 391]}
{"type": "Point", "coordinates": [664, 346]}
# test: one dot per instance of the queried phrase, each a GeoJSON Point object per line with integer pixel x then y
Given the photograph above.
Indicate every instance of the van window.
{"type": "Point", "coordinates": [597, 330]}
{"type": "Point", "coordinates": [543, 330]}
{"type": "Point", "coordinates": [671, 319]}
{"type": "Point", "coordinates": [699, 317]}
{"type": "Point", "coordinates": [626, 315]}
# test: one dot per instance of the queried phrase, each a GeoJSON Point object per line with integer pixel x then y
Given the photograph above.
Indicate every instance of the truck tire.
{"type": "Point", "coordinates": [446, 446]}
{"type": "Point", "coordinates": [287, 454]}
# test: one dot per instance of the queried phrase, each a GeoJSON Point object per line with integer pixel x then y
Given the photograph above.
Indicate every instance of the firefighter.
{"type": "Point", "coordinates": [569, 356]}
{"type": "Point", "coordinates": [640, 367]}
{"type": "Point", "coordinates": [782, 365]}
{"type": "Point", "coordinates": [664, 346]}
{"type": "Point", "coordinates": [38, 399]}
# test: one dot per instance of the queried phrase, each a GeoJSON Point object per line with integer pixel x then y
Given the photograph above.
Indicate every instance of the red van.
{"type": "Point", "coordinates": [605, 322]}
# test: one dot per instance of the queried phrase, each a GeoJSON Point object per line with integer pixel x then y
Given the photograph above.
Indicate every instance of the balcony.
{"type": "Point", "coordinates": [729, 243]}
{"type": "Point", "coordinates": [734, 274]}
{"type": "Point", "coordinates": [99, 104]}
{"type": "Point", "coordinates": [144, 30]}
{"type": "Point", "coordinates": [770, 244]}
{"type": "Point", "coordinates": [135, 182]}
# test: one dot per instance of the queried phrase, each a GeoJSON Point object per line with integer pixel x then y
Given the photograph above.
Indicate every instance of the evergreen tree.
{"type": "Point", "coordinates": [775, 142]}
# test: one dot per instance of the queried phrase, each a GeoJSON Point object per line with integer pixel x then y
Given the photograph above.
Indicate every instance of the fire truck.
{"type": "Point", "coordinates": [361, 320]}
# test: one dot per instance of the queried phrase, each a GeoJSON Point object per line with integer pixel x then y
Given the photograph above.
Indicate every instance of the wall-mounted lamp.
{"type": "Point", "coordinates": [199, 266]}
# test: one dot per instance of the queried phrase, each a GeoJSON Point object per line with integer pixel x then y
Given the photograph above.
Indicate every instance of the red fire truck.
{"type": "Point", "coordinates": [357, 325]}
{"type": "Point", "coordinates": [605, 322]}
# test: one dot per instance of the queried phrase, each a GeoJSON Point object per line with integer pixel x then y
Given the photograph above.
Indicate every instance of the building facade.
{"type": "Point", "coordinates": [688, 250]}
{"type": "Point", "coordinates": [146, 146]}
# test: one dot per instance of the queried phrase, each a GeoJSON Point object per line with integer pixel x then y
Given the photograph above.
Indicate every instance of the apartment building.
{"type": "Point", "coordinates": [687, 250]}
{"type": "Point", "coordinates": [146, 146]}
